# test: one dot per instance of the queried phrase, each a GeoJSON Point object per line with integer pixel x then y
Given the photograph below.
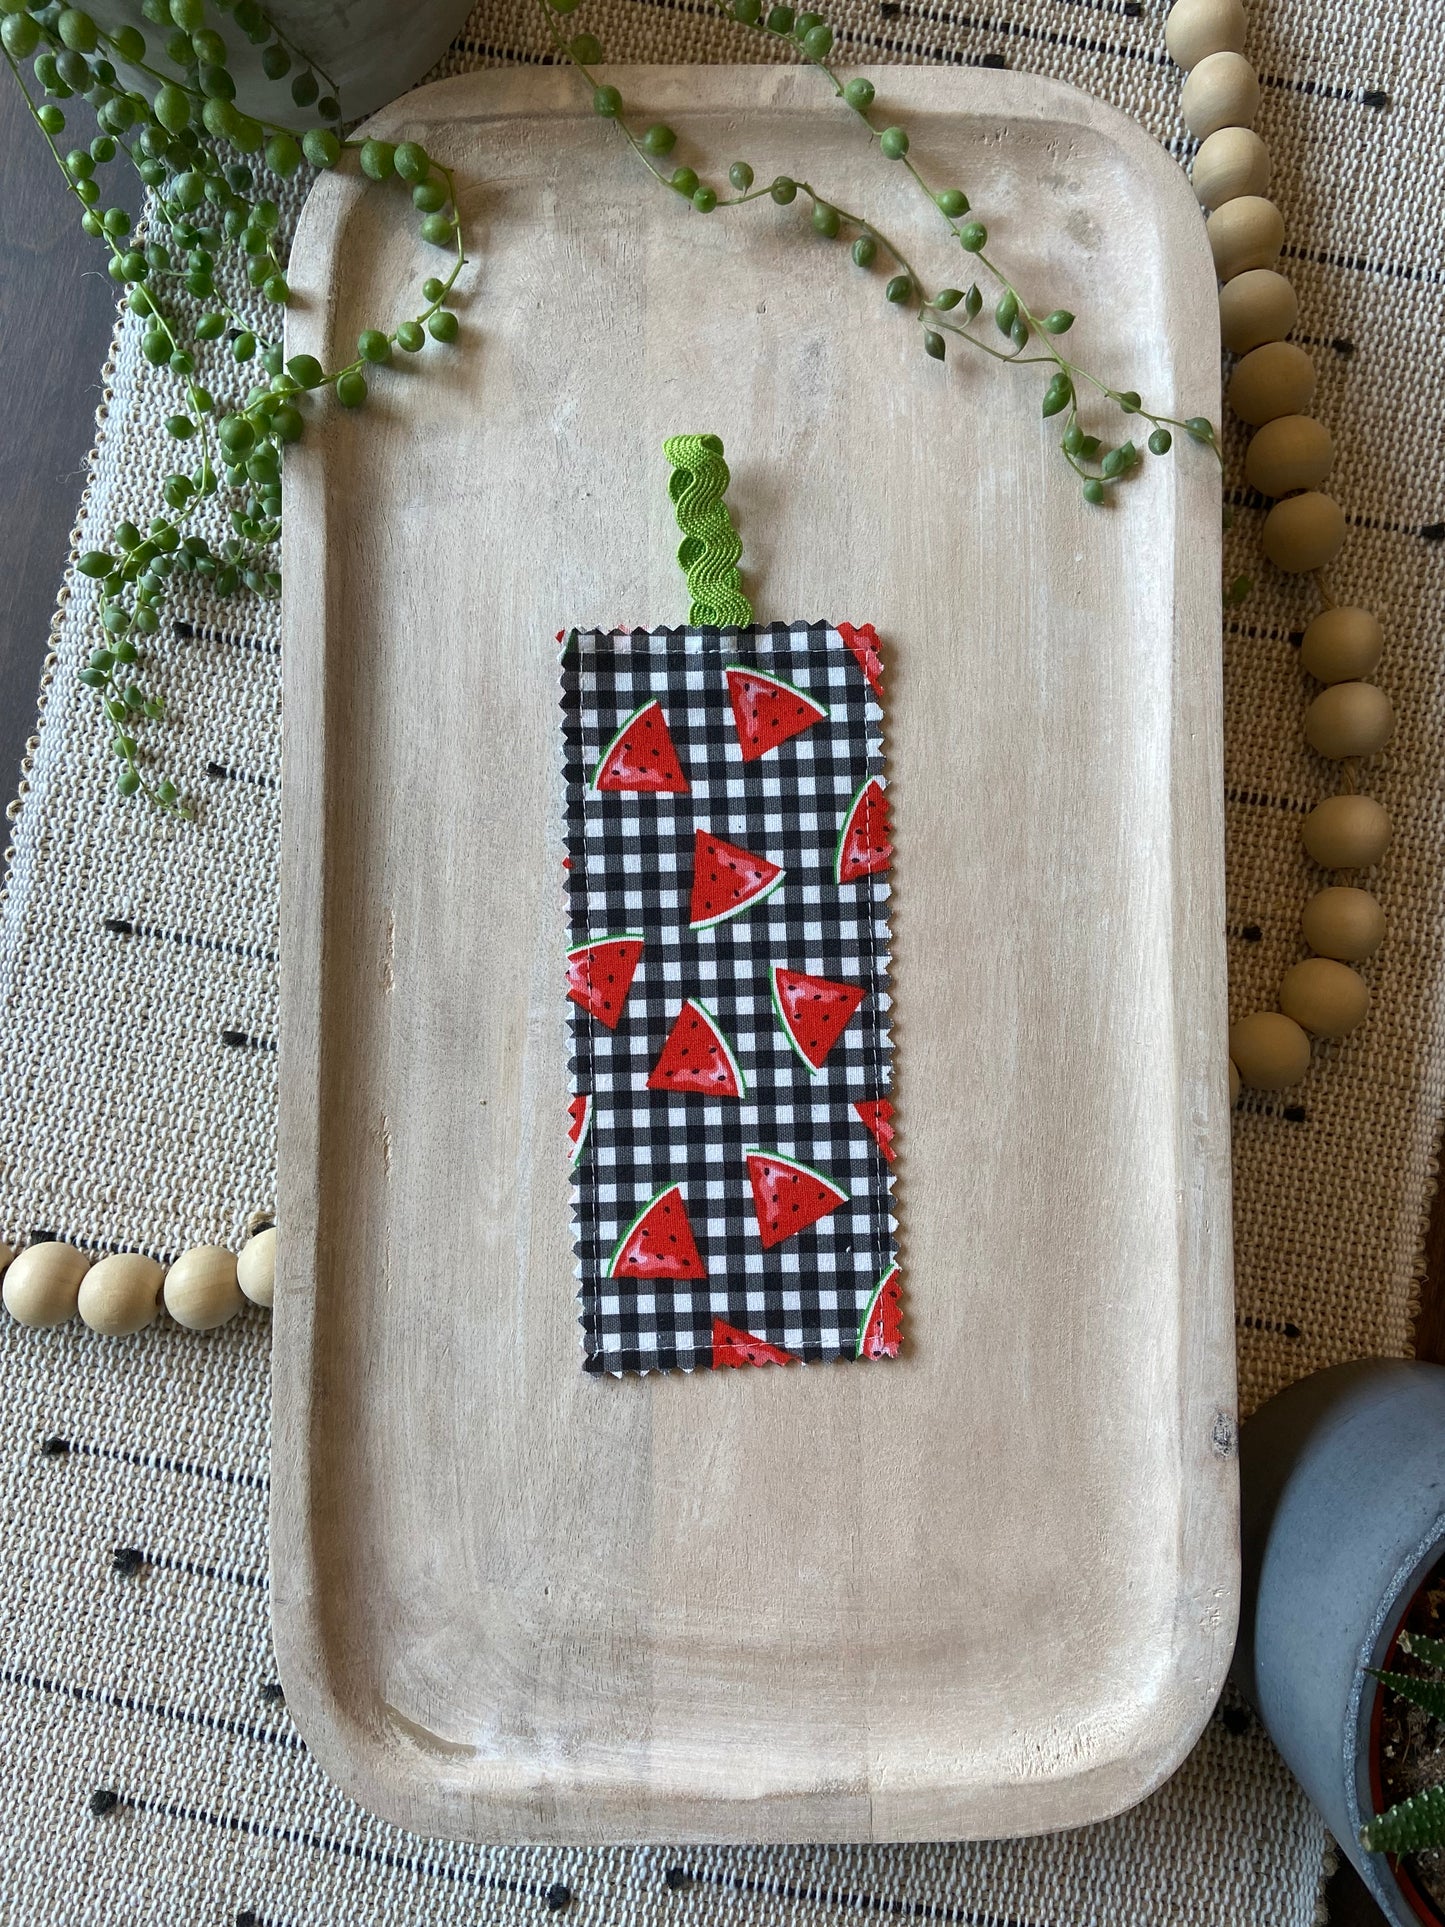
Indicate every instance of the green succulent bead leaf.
{"type": "Point", "coordinates": [710, 548]}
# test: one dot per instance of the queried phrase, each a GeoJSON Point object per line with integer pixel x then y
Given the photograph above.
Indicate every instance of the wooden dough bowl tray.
{"type": "Point", "coordinates": [989, 1588]}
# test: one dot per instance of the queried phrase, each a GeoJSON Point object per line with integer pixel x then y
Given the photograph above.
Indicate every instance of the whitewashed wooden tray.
{"type": "Point", "coordinates": [989, 1589]}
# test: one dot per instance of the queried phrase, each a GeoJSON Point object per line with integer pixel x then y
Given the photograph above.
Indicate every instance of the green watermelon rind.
{"type": "Point", "coordinates": [751, 903]}
{"type": "Point", "coordinates": [653, 702]}
{"type": "Point", "coordinates": [652, 1202]}
{"type": "Point", "coordinates": [813, 1070]}
{"type": "Point", "coordinates": [796, 1164]}
{"type": "Point", "coordinates": [867, 1318]}
{"type": "Point", "coordinates": [848, 816]}
{"type": "Point", "coordinates": [615, 936]}
{"type": "Point", "coordinates": [780, 682]}
{"type": "Point", "coordinates": [596, 943]}
{"type": "Point", "coordinates": [727, 1049]}
{"type": "Point", "coordinates": [580, 1146]}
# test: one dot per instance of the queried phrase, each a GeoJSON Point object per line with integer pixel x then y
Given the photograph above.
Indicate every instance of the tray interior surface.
{"type": "Point", "coordinates": [986, 1589]}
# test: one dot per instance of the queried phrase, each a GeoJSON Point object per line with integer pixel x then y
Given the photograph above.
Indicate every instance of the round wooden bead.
{"type": "Point", "coordinates": [1246, 233]}
{"type": "Point", "coordinates": [41, 1285]}
{"type": "Point", "coordinates": [1323, 996]}
{"type": "Point", "coordinates": [1235, 1083]}
{"type": "Point", "coordinates": [201, 1288]}
{"type": "Point", "coordinates": [1222, 91]}
{"type": "Point", "coordinates": [256, 1267]}
{"type": "Point", "coordinates": [1303, 532]}
{"type": "Point", "coordinates": [1232, 162]}
{"type": "Point", "coordinates": [1289, 453]}
{"type": "Point", "coordinates": [1274, 380]}
{"type": "Point", "coordinates": [1343, 923]}
{"type": "Point", "coordinates": [121, 1294]}
{"type": "Point", "coordinates": [1257, 306]}
{"type": "Point", "coordinates": [1197, 28]}
{"type": "Point", "coordinates": [1349, 719]}
{"type": "Point", "coordinates": [1272, 1052]}
{"type": "Point", "coordinates": [1347, 832]}
{"type": "Point", "coordinates": [1342, 645]}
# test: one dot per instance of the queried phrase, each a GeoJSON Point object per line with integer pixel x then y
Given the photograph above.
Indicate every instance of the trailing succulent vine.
{"type": "Point", "coordinates": [948, 313]}
{"type": "Point", "coordinates": [167, 105]}
{"type": "Point", "coordinates": [210, 227]}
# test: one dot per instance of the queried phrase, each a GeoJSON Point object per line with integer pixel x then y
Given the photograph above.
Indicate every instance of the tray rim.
{"type": "Point", "coordinates": [343, 1744]}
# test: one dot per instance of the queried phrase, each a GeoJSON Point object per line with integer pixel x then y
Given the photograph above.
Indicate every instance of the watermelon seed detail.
{"type": "Point", "coordinates": [813, 1011]}
{"type": "Point", "coordinates": [726, 880]}
{"type": "Point", "coordinates": [642, 756]}
{"type": "Point", "coordinates": [697, 1057]}
{"type": "Point", "coordinates": [789, 1196]}
{"type": "Point", "coordinates": [767, 710]}
{"type": "Point", "coordinates": [600, 973]}
{"type": "Point", "coordinates": [659, 1243]}
{"type": "Point", "coordinates": [864, 845]}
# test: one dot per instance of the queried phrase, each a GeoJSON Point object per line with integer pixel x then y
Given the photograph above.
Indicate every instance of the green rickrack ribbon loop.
{"type": "Point", "coordinates": [710, 548]}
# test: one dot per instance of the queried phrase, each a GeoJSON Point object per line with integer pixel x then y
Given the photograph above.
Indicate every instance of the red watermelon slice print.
{"type": "Point", "coordinates": [579, 1113]}
{"type": "Point", "coordinates": [789, 1196]}
{"type": "Point", "coordinates": [877, 1116]}
{"type": "Point", "coordinates": [726, 880]}
{"type": "Point", "coordinates": [642, 756]}
{"type": "Point", "coordinates": [880, 1330]}
{"type": "Point", "coordinates": [659, 1242]}
{"type": "Point", "coordinates": [813, 1011]}
{"type": "Point", "coordinates": [733, 1347]}
{"type": "Point", "coordinates": [600, 973]}
{"type": "Point", "coordinates": [863, 843]}
{"type": "Point", "coordinates": [768, 710]}
{"type": "Point", "coordinates": [697, 1057]}
{"type": "Point", "coordinates": [863, 641]}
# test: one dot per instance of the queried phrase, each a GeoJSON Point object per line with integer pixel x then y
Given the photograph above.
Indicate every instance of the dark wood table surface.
{"type": "Point", "coordinates": [57, 309]}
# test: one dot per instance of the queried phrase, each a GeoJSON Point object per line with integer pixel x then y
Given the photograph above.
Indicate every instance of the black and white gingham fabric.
{"type": "Point", "coordinates": [630, 870]}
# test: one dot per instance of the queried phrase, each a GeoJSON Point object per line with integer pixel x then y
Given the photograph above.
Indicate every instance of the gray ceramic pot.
{"type": "Point", "coordinates": [372, 50]}
{"type": "Point", "coordinates": [1342, 1504]}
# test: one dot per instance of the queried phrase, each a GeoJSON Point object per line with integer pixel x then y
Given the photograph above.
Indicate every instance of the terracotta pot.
{"type": "Point", "coordinates": [1342, 1518]}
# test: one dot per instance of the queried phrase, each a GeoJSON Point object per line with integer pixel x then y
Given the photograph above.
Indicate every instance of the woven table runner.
{"type": "Point", "coordinates": [138, 1089]}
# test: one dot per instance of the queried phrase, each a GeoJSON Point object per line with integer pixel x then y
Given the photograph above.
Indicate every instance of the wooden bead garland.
{"type": "Point", "coordinates": [1349, 719]}
{"type": "Point", "coordinates": [1291, 452]}
{"type": "Point", "coordinates": [1304, 533]}
{"type": "Point", "coordinates": [43, 1283]}
{"type": "Point", "coordinates": [1347, 833]}
{"type": "Point", "coordinates": [1232, 162]}
{"type": "Point", "coordinates": [1324, 996]}
{"type": "Point", "coordinates": [1246, 233]}
{"type": "Point", "coordinates": [1289, 457]}
{"type": "Point", "coordinates": [1343, 922]}
{"type": "Point", "coordinates": [1198, 28]}
{"type": "Point", "coordinates": [47, 1283]}
{"type": "Point", "coordinates": [1222, 91]}
{"type": "Point", "coordinates": [1272, 380]}
{"type": "Point", "coordinates": [1255, 307]}
{"type": "Point", "coordinates": [122, 1294]}
{"type": "Point", "coordinates": [1342, 645]}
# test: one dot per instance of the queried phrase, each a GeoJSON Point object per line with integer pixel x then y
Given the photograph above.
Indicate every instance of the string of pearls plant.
{"type": "Point", "coordinates": [167, 105]}
{"type": "Point", "coordinates": [1032, 333]}
{"type": "Point", "coordinates": [1290, 454]}
{"type": "Point", "coordinates": [49, 1282]}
